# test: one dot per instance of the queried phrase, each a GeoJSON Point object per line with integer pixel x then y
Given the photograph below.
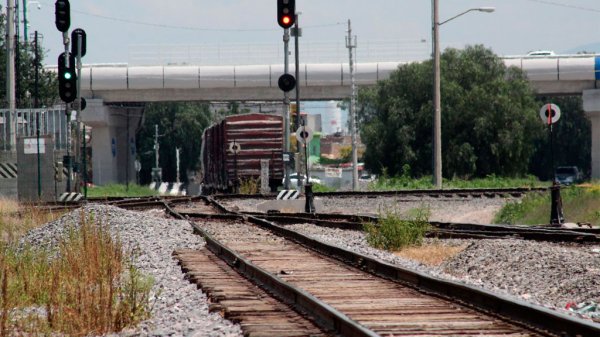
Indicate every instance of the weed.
{"type": "Point", "coordinates": [431, 254]}
{"type": "Point", "coordinates": [580, 204]}
{"type": "Point", "coordinates": [119, 190]}
{"type": "Point", "coordinates": [250, 186]}
{"type": "Point", "coordinates": [88, 286]}
{"type": "Point", "coordinates": [17, 219]}
{"type": "Point", "coordinates": [392, 232]}
{"type": "Point", "coordinates": [405, 181]}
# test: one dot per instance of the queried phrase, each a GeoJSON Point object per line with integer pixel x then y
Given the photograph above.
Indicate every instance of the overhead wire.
{"type": "Point", "coordinates": [150, 24]}
{"type": "Point", "coordinates": [559, 4]}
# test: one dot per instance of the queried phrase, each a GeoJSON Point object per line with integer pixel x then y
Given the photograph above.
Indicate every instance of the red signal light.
{"type": "Point", "coordinates": [286, 11]}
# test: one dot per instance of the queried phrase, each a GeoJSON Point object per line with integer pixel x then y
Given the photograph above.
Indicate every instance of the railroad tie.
{"type": "Point", "coordinates": [240, 301]}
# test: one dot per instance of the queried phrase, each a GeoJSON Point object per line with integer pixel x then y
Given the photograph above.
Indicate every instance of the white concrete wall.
{"type": "Point", "coordinates": [591, 105]}
{"type": "Point", "coordinates": [113, 154]}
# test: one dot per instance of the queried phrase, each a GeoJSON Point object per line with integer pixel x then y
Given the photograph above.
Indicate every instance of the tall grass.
{"type": "Point", "coordinates": [250, 186]}
{"type": "Point", "coordinates": [393, 232]}
{"type": "Point", "coordinates": [406, 181]}
{"type": "Point", "coordinates": [580, 204]}
{"type": "Point", "coordinates": [89, 286]}
{"type": "Point", "coordinates": [119, 190]}
{"type": "Point", "coordinates": [16, 219]}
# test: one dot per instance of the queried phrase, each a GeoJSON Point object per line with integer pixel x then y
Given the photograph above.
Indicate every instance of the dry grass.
{"type": "Point", "coordinates": [250, 186]}
{"type": "Point", "coordinates": [88, 287]}
{"type": "Point", "coordinates": [431, 254]}
{"type": "Point", "coordinates": [16, 219]}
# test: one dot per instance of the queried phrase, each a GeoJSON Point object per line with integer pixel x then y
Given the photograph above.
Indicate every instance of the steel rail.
{"type": "Point", "coordinates": [515, 310]}
{"type": "Point", "coordinates": [321, 313]}
{"type": "Point", "coordinates": [444, 229]}
{"type": "Point", "coordinates": [435, 193]}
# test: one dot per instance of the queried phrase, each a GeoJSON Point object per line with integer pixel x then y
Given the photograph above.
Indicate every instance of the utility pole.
{"type": "Point", "coordinates": [36, 105]}
{"type": "Point", "coordinates": [437, 101]}
{"type": "Point", "coordinates": [10, 72]}
{"type": "Point", "coordinates": [351, 44]}
{"type": "Point", "coordinates": [24, 21]}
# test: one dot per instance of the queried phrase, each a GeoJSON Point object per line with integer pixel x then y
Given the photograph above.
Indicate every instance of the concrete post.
{"type": "Point", "coordinates": [264, 176]}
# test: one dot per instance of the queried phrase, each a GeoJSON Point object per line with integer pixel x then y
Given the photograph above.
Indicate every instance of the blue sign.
{"type": "Point", "coordinates": [113, 147]}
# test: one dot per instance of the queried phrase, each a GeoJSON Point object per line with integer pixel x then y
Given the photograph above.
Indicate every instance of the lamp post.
{"type": "Point", "coordinates": [437, 102]}
{"type": "Point", "coordinates": [25, 13]}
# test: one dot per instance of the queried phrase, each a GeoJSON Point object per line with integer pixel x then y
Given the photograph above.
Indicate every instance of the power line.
{"type": "Point", "coordinates": [552, 3]}
{"type": "Point", "coordinates": [144, 23]}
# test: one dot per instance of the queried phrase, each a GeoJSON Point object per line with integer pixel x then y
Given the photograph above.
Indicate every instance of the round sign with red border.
{"type": "Point", "coordinates": [550, 113]}
{"type": "Point", "coordinates": [304, 134]}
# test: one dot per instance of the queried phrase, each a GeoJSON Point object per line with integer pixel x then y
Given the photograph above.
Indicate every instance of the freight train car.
{"type": "Point", "coordinates": [232, 151]}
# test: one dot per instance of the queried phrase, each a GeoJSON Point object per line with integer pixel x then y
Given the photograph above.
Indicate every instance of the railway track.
{"type": "Point", "coordinates": [207, 206]}
{"type": "Point", "coordinates": [361, 293]}
{"type": "Point", "coordinates": [445, 229]}
{"type": "Point", "coordinates": [242, 302]}
{"type": "Point", "coordinates": [336, 291]}
{"type": "Point", "coordinates": [439, 194]}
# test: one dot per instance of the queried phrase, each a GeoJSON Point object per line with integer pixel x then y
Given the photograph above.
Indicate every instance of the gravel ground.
{"type": "Point", "coordinates": [547, 274]}
{"type": "Point", "coordinates": [179, 309]}
{"type": "Point", "coordinates": [468, 210]}
{"type": "Point", "coordinates": [544, 273]}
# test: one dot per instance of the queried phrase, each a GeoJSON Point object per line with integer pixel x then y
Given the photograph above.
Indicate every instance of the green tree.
{"type": "Point", "coordinates": [572, 139]}
{"type": "Point", "coordinates": [489, 117]}
{"type": "Point", "coordinates": [180, 125]}
{"type": "Point", "coordinates": [25, 80]}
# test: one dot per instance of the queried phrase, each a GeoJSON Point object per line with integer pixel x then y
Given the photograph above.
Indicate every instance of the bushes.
{"type": "Point", "coordinates": [393, 233]}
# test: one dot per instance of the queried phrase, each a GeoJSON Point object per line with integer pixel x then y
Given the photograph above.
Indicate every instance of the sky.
{"type": "Point", "coordinates": [245, 31]}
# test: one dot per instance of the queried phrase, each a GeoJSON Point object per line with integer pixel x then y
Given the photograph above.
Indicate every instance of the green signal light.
{"type": "Point", "coordinates": [68, 76]}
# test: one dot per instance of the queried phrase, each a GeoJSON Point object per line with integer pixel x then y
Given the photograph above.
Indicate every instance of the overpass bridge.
{"type": "Point", "coordinates": [116, 93]}
{"type": "Point", "coordinates": [120, 83]}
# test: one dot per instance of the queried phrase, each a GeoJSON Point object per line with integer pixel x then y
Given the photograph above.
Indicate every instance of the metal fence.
{"type": "Point", "coordinates": [52, 122]}
{"type": "Point", "coordinates": [272, 53]}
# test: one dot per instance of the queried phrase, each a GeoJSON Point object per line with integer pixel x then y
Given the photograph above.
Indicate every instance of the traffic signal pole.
{"type": "Point", "coordinates": [286, 10]}
{"type": "Point", "coordinates": [78, 133]}
{"type": "Point", "coordinates": [68, 65]}
{"type": "Point", "coordinates": [286, 105]}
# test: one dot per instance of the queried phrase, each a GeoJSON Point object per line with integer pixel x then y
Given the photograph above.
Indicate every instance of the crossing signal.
{"type": "Point", "coordinates": [67, 79]}
{"type": "Point", "coordinates": [286, 13]}
{"type": "Point", "coordinates": [62, 11]}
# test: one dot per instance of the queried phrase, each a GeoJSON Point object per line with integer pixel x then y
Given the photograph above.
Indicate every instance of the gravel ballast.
{"type": "Point", "coordinates": [547, 274]}
{"type": "Point", "coordinates": [179, 308]}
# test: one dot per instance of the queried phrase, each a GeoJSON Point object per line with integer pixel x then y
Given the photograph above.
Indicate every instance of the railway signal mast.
{"type": "Point", "coordinates": [69, 81]}
{"type": "Point", "coordinates": [550, 114]}
{"type": "Point", "coordinates": [286, 16]}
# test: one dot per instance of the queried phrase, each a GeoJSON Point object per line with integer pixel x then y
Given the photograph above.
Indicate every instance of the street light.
{"type": "Point", "coordinates": [26, 12]}
{"type": "Point", "coordinates": [480, 9]}
{"type": "Point", "coordinates": [437, 109]}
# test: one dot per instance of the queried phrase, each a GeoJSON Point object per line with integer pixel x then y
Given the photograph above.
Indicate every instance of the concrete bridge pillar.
{"type": "Point", "coordinates": [113, 141]}
{"type": "Point", "coordinates": [591, 105]}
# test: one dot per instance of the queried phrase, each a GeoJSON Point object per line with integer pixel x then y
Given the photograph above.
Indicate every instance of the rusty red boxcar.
{"type": "Point", "coordinates": [233, 148]}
